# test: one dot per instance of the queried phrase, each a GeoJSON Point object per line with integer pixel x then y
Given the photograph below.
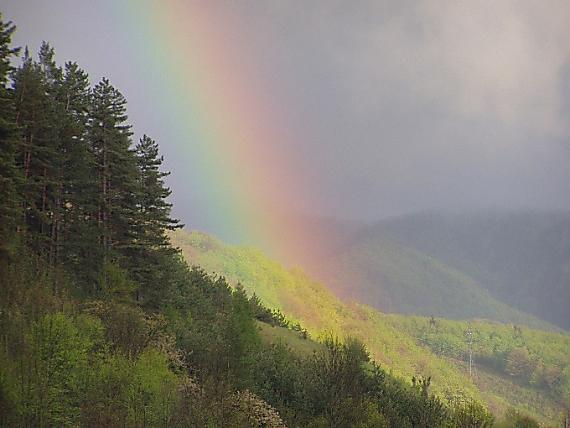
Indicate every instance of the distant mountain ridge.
{"type": "Point", "coordinates": [521, 259]}
{"type": "Point", "coordinates": [395, 278]}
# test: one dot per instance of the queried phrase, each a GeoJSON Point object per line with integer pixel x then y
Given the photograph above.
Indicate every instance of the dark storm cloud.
{"type": "Point", "coordinates": [399, 105]}
{"type": "Point", "coordinates": [416, 105]}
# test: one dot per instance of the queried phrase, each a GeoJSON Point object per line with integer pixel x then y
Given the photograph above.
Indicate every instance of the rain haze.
{"type": "Point", "coordinates": [399, 106]}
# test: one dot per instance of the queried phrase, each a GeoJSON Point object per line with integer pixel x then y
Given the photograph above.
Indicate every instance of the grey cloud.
{"type": "Point", "coordinates": [428, 104]}
{"type": "Point", "coordinates": [397, 105]}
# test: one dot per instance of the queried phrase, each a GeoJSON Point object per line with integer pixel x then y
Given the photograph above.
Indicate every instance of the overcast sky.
{"type": "Point", "coordinates": [402, 105]}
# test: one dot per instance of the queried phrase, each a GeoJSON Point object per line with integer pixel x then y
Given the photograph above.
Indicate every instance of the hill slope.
{"type": "Point", "coordinates": [399, 279]}
{"type": "Point", "coordinates": [399, 343]}
{"type": "Point", "coordinates": [522, 259]}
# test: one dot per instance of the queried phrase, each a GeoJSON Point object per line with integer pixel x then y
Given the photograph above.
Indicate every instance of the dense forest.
{"type": "Point", "coordinates": [102, 321]}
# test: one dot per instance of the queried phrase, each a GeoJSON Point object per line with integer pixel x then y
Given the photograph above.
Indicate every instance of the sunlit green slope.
{"type": "Point", "coordinates": [406, 345]}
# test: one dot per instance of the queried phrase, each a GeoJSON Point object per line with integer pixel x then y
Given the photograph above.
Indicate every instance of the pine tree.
{"type": "Point", "coordinates": [117, 173]}
{"type": "Point", "coordinates": [9, 140]}
{"type": "Point", "coordinates": [153, 221]}
{"type": "Point", "coordinates": [54, 177]}
{"type": "Point", "coordinates": [152, 205]}
{"type": "Point", "coordinates": [77, 231]}
{"type": "Point", "coordinates": [35, 84]}
{"type": "Point", "coordinates": [57, 164]}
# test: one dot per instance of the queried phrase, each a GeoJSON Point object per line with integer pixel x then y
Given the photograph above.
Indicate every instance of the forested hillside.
{"type": "Point", "coordinates": [104, 324]}
{"type": "Point", "coordinates": [509, 267]}
{"type": "Point", "coordinates": [522, 259]}
{"type": "Point", "coordinates": [396, 278]}
{"type": "Point", "coordinates": [514, 366]}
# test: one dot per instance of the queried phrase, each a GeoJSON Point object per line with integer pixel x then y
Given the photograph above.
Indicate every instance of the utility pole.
{"type": "Point", "coordinates": [470, 342]}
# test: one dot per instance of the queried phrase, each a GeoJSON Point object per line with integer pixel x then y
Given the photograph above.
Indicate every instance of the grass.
{"type": "Point", "coordinates": [293, 339]}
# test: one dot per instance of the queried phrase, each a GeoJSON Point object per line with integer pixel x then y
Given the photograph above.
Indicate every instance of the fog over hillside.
{"type": "Point", "coordinates": [521, 259]}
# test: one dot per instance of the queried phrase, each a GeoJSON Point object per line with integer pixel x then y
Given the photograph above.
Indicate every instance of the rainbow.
{"type": "Point", "coordinates": [236, 147]}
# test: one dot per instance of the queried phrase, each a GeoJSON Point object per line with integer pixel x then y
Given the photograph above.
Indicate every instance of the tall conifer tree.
{"type": "Point", "coordinates": [77, 232]}
{"type": "Point", "coordinates": [153, 207]}
{"type": "Point", "coordinates": [117, 172]}
{"type": "Point", "coordinates": [9, 140]}
{"type": "Point", "coordinates": [153, 222]}
{"type": "Point", "coordinates": [35, 86]}
{"type": "Point", "coordinates": [31, 105]}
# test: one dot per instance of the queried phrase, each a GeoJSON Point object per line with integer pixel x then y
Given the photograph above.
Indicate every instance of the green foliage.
{"type": "Point", "coordinates": [516, 353]}
{"type": "Point", "coordinates": [116, 167]}
{"type": "Point", "coordinates": [47, 378]}
{"type": "Point", "coordinates": [151, 395]}
{"type": "Point", "coordinates": [126, 329]}
{"type": "Point", "coordinates": [515, 419]}
{"type": "Point", "coordinates": [114, 282]}
{"type": "Point", "coordinates": [407, 345]}
{"type": "Point", "coordinates": [150, 242]}
{"type": "Point", "coordinates": [242, 339]}
{"type": "Point", "coordinates": [10, 175]}
{"type": "Point", "coordinates": [470, 414]}
{"type": "Point", "coordinates": [75, 191]}
{"type": "Point", "coordinates": [296, 340]}
{"type": "Point", "coordinates": [519, 363]}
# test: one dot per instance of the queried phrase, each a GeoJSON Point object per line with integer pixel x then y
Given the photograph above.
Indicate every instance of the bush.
{"type": "Point", "coordinates": [49, 377]}
{"type": "Point", "coordinates": [515, 419]}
